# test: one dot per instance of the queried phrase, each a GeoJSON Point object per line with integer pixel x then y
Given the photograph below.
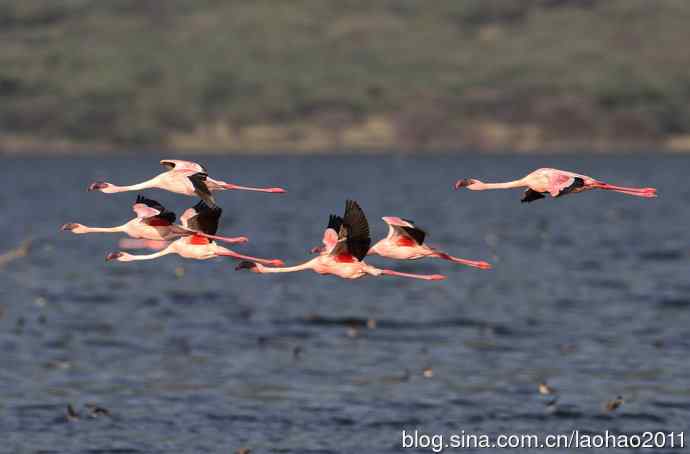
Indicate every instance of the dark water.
{"type": "Point", "coordinates": [590, 292]}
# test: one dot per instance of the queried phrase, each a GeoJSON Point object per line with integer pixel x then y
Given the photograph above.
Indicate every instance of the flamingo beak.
{"type": "Point", "coordinates": [113, 256]}
{"type": "Point", "coordinates": [316, 250]}
{"type": "Point", "coordinates": [70, 226]}
{"type": "Point", "coordinates": [97, 186]}
{"type": "Point", "coordinates": [245, 265]}
{"type": "Point", "coordinates": [463, 183]}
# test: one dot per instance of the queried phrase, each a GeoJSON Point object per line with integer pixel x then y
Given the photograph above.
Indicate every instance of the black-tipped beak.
{"type": "Point", "coordinates": [245, 265]}
{"type": "Point", "coordinates": [69, 226]}
{"type": "Point", "coordinates": [113, 256]}
{"type": "Point", "coordinates": [98, 185]}
{"type": "Point", "coordinates": [462, 183]}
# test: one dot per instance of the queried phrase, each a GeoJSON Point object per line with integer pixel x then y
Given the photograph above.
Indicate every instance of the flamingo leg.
{"type": "Point", "coordinates": [639, 192]}
{"type": "Point", "coordinates": [233, 239]}
{"type": "Point", "coordinates": [229, 253]}
{"type": "Point", "coordinates": [247, 188]}
{"type": "Point", "coordinates": [426, 277]}
{"type": "Point", "coordinates": [473, 263]}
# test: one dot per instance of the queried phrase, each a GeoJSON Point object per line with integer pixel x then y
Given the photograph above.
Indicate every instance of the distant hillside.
{"type": "Point", "coordinates": [345, 74]}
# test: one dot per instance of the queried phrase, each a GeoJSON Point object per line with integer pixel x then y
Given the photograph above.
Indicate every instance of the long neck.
{"type": "Point", "coordinates": [152, 183]}
{"type": "Point", "coordinates": [288, 269]}
{"type": "Point", "coordinates": [225, 252]}
{"type": "Point", "coordinates": [506, 185]}
{"type": "Point", "coordinates": [119, 228]}
{"type": "Point", "coordinates": [155, 255]}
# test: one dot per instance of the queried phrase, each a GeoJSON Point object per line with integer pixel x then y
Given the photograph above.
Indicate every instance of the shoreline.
{"type": "Point", "coordinates": [375, 134]}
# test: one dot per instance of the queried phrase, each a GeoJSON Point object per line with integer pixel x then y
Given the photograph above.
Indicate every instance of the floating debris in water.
{"type": "Point", "coordinates": [95, 410]}
{"type": "Point", "coordinates": [612, 405]}
{"type": "Point", "coordinates": [40, 301]}
{"type": "Point", "coordinates": [428, 372]}
{"type": "Point", "coordinates": [371, 323]}
{"type": "Point", "coordinates": [297, 352]}
{"type": "Point", "coordinates": [545, 389]}
{"type": "Point", "coordinates": [71, 414]}
{"type": "Point", "coordinates": [243, 451]}
{"type": "Point", "coordinates": [352, 332]}
{"type": "Point", "coordinates": [551, 406]}
{"type": "Point", "coordinates": [179, 272]}
{"type": "Point", "coordinates": [57, 364]}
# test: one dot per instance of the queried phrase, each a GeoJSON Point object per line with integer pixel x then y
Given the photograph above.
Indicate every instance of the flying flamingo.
{"type": "Point", "coordinates": [345, 249]}
{"type": "Point", "coordinates": [198, 246]}
{"type": "Point", "coordinates": [405, 241]}
{"type": "Point", "coordinates": [182, 177]}
{"type": "Point", "coordinates": [154, 224]}
{"type": "Point", "coordinates": [553, 182]}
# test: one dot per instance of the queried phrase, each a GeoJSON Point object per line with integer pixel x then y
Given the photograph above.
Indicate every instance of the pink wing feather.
{"type": "Point", "coordinates": [144, 211]}
{"type": "Point", "coordinates": [176, 164]}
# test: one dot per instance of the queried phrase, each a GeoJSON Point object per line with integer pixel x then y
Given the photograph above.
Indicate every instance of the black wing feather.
{"type": "Point", "coordinates": [150, 203]}
{"type": "Point", "coordinates": [334, 222]}
{"type": "Point", "coordinates": [355, 230]}
{"type": "Point", "coordinates": [531, 195]}
{"type": "Point", "coordinates": [201, 189]}
{"type": "Point", "coordinates": [206, 219]}
{"type": "Point", "coordinates": [577, 183]}
{"type": "Point", "coordinates": [416, 233]}
{"type": "Point", "coordinates": [164, 214]}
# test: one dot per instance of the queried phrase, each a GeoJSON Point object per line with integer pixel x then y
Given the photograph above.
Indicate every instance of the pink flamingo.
{"type": "Point", "coordinates": [405, 241]}
{"type": "Point", "coordinates": [154, 223]}
{"type": "Point", "coordinates": [198, 246]}
{"type": "Point", "coordinates": [553, 182]}
{"type": "Point", "coordinates": [344, 251]}
{"type": "Point", "coordinates": [182, 177]}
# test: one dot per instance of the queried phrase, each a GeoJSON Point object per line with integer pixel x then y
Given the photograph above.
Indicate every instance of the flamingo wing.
{"type": "Point", "coordinates": [176, 164]}
{"type": "Point", "coordinates": [204, 218]}
{"type": "Point", "coordinates": [405, 227]}
{"type": "Point", "coordinates": [201, 188]}
{"type": "Point", "coordinates": [353, 236]}
{"type": "Point", "coordinates": [330, 235]}
{"type": "Point", "coordinates": [562, 184]}
{"type": "Point", "coordinates": [152, 212]}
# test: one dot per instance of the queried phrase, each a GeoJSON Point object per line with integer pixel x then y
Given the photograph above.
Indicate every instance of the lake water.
{"type": "Point", "coordinates": [590, 292]}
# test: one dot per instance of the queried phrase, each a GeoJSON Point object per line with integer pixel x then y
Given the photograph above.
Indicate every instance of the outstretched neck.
{"type": "Point", "coordinates": [119, 228]}
{"type": "Point", "coordinates": [155, 255]}
{"type": "Point", "coordinates": [288, 269]}
{"type": "Point", "coordinates": [113, 188]}
{"type": "Point", "coordinates": [506, 185]}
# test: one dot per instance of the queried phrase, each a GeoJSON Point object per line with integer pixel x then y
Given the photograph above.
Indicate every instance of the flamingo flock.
{"type": "Point", "coordinates": [346, 240]}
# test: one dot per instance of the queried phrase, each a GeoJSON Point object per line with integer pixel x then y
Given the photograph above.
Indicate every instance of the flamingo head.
{"type": "Point", "coordinates": [99, 186]}
{"type": "Point", "coordinates": [468, 183]}
{"type": "Point", "coordinates": [74, 228]}
{"type": "Point", "coordinates": [247, 265]}
{"type": "Point", "coordinates": [119, 256]}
